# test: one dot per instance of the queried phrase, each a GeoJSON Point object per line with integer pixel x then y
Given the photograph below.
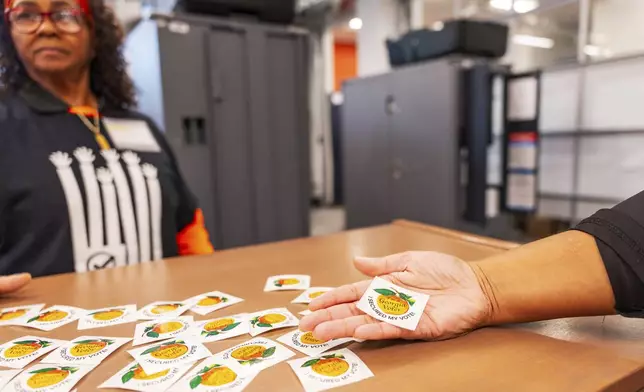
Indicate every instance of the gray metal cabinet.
{"type": "Point", "coordinates": [235, 110]}
{"type": "Point", "coordinates": [366, 152]}
{"type": "Point", "coordinates": [401, 146]}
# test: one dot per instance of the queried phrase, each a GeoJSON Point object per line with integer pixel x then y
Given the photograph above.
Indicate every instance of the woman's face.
{"type": "Point", "coordinates": [51, 48]}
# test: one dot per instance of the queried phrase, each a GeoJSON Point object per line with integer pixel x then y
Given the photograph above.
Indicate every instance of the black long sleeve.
{"type": "Point", "coordinates": [619, 233]}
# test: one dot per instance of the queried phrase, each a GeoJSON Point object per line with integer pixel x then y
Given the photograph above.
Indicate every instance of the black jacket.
{"type": "Point", "coordinates": [66, 206]}
{"type": "Point", "coordinates": [619, 233]}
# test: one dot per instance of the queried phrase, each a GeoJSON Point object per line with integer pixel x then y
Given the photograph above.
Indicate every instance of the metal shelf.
{"type": "Point", "coordinates": [585, 133]}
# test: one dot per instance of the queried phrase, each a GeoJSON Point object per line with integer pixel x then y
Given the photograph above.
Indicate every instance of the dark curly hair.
{"type": "Point", "coordinates": [108, 70]}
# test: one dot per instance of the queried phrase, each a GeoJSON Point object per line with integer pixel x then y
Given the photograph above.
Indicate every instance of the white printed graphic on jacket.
{"type": "Point", "coordinates": [111, 208]}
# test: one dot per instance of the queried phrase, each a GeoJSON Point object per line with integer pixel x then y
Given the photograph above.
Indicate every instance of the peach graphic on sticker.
{"type": "Point", "coordinates": [49, 377]}
{"type": "Point", "coordinates": [163, 328]}
{"type": "Point", "coordinates": [13, 314]}
{"type": "Point", "coordinates": [268, 320]}
{"type": "Point", "coordinates": [107, 315]}
{"type": "Point", "coordinates": [168, 351]}
{"type": "Point", "coordinates": [217, 327]}
{"type": "Point", "coordinates": [23, 348]}
{"type": "Point", "coordinates": [251, 355]}
{"type": "Point", "coordinates": [393, 302]}
{"type": "Point", "coordinates": [136, 372]}
{"type": "Point", "coordinates": [49, 316]}
{"type": "Point", "coordinates": [213, 376]}
{"type": "Point", "coordinates": [84, 348]}
{"type": "Point", "coordinates": [287, 282]}
{"type": "Point", "coordinates": [308, 338]}
{"type": "Point", "coordinates": [333, 365]}
{"type": "Point", "coordinates": [165, 308]}
{"type": "Point", "coordinates": [212, 301]}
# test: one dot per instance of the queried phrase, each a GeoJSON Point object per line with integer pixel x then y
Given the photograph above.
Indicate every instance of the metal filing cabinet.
{"type": "Point", "coordinates": [233, 102]}
{"type": "Point", "coordinates": [405, 134]}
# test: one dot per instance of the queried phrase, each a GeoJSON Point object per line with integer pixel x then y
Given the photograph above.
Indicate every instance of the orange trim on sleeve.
{"type": "Point", "coordinates": [194, 238]}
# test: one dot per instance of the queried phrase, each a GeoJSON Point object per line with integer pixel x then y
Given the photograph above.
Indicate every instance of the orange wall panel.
{"type": "Point", "coordinates": [346, 63]}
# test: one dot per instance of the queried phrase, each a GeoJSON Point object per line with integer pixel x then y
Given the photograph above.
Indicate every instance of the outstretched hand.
{"type": "Point", "coordinates": [457, 303]}
{"type": "Point", "coordinates": [11, 283]}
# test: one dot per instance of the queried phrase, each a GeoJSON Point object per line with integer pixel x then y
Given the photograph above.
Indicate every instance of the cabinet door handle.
{"type": "Point", "coordinates": [217, 85]}
{"type": "Point", "coordinates": [391, 106]}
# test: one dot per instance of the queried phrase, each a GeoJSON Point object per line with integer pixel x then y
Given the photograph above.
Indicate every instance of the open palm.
{"type": "Point", "coordinates": [456, 305]}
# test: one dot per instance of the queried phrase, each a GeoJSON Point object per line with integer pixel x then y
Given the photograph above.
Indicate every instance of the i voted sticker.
{"type": "Point", "coordinates": [393, 304]}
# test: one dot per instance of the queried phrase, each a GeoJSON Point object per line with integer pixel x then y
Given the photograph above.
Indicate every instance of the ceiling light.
{"type": "Point", "coordinates": [355, 24]}
{"type": "Point", "coordinates": [519, 6]}
{"type": "Point", "coordinates": [592, 50]}
{"type": "Point", "coordinates": [596, 51]}
{"type": "Point", "coordinates": [534, 41]}
{"type": "Point", "coordinates": [523, 6]}
{"type": "Point", "coordinates": [503, 5]}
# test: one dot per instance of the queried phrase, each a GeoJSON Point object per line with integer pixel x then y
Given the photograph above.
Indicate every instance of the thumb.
{"type": "Point", "coordinates": [382, 265]}
{"type": "Point", "coordinates": [13, 283]}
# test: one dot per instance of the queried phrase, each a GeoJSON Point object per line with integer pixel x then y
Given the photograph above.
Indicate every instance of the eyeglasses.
{"type": "Point", "coordinates": [27, 21]}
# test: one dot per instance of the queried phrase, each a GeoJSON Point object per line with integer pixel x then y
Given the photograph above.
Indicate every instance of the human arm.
{"type": "Point", "coordinates": [597, 269]}
{"type": "Point", "coordinates": [561, 276]}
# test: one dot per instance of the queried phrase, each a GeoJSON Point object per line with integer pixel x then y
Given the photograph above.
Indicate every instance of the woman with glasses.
{"type": "Point", "coordinates": [85, 182]}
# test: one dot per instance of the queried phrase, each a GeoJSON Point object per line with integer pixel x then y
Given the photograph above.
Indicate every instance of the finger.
{"type": "Point", "coordinates": [343, 294]}
{"type": "Point", "coordinates": [343, 328]}
{"type": "Point", "coordinates": [383, 265]}
{"type": "Point", "coordinates": [379, 331]}
{"type": "Point", "coordinates": [13, 283]}
{"type": "Point", "coordinates": [336, 312]}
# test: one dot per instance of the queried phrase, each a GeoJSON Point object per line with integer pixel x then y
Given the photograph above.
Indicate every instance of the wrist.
{"type": "Point", "coordinates": [490, 303]}
{"type": "Point", "coordinates": [560, 276]}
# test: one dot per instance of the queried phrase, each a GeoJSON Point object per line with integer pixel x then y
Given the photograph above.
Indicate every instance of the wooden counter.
{"type": "Point", "coordinates": [564, 355]}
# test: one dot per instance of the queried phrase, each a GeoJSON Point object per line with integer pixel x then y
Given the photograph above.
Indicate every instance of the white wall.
{"type": "Point", "coordinates": [617, 26]}
{"type": "Point", "coordinates": [381, 19]}
{"type": "Point", "coordinates": [126, 11]}
{"type": "Point", "coordinates": [523, 57]}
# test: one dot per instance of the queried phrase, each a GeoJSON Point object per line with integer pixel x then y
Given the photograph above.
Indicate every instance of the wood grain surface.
{"type": "Point", "coordinates": [564, 355]}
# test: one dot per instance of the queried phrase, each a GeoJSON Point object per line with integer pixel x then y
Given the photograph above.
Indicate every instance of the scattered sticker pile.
{"type": "Point", "coordinates": [287, 282]}
{"type": "Point", "coordinates": [50, 378]}
{"type": "Point", "coordinates": [209, 302]}
{"type": "Point", "coordinates": [175, 357]}
{"type": "Point", "coordinates": [86, 350]}
{"type": "Point", "coordinates": [173, 352]}
{"type": "Point", "coordinates": [53, 317]}
{"type": "Point", "coordinates": [214, 374]}
{"type": "Point", "coordinates": [107, 317]}
{"type": "Point", "coordinates": [270, 319]}
{"type": "Point", "coordinates": [134, 378]}
{"type": "Point", "coordinates": [306, 343]}
{"type": "Point", "coordinates": [256, 354]}
{"type": "Point", "coordinates": [163, 309]}
{"type": "Point", "coordinates": [311, 294]}
{"type": "Point", "coordinates": [19, 315]}
{"type": "Point", "coordinates": [19, 353]}
{"type": "Point", "coordinates": [330, 370]}
{"type": "Point", "coordinates": [222, 328]}
{"type": "Point", "coordinates": [161, 329]}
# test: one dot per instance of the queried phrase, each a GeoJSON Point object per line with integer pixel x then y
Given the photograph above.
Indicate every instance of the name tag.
{"type": "Point", "coordinates": [133, 135]}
